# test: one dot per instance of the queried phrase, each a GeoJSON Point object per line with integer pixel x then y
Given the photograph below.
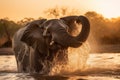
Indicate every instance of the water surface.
{"type": "Point", "coordinates": [105, 66]}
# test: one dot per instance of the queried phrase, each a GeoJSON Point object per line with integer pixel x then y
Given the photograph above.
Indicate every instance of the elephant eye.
{"type": "Point", "coordinates": [42, 28]}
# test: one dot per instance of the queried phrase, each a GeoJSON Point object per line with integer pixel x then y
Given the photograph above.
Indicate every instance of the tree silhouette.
{"type": "Point", "coordinates": [8, 43]}
{"type": "Point", "coordinates": [58, 12]}
{"type": "Point", "coordinates": [25, 21]}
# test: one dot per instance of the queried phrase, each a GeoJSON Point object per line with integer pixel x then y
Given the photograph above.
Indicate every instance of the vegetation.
{"type": "Point", "coordinates": [105, 31]}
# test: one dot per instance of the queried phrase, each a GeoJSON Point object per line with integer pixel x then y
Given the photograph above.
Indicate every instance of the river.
{"type": "Point", "coordinates": [99, 66]}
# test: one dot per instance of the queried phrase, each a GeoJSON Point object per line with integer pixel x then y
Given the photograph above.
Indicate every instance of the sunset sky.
{"type": "Point", "coordinates": [18, 9]}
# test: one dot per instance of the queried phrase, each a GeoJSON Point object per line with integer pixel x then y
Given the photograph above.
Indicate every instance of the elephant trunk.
{"type": "Point", "coordinates": [81, 37]}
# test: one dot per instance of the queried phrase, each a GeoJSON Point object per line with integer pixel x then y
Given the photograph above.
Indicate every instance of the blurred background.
{"type": "Point", "coordinates": [104, 16]}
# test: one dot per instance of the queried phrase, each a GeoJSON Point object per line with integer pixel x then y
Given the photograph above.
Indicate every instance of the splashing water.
{"type": "Point", "coordinates": [77, 58]}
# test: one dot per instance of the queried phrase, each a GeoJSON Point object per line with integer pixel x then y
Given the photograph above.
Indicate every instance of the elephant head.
{"type": "Point", "coordinates": [61, 29]}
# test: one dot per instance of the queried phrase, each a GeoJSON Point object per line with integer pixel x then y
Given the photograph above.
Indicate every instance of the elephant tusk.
{"type": "Point", "coordinates": [52, 42]}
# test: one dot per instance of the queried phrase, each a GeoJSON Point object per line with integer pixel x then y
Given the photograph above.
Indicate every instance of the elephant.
{"type": "Point", "coordinates": [41, 41]}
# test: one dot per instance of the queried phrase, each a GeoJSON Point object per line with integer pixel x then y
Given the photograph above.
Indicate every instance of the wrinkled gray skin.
{"type": "Point", "coordinates": [39, 42]}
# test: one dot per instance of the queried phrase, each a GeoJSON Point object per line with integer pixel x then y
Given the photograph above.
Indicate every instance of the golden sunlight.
{"type": "Point", "coordinates": [18, 9]}
{"type": "Point", "coordinates": [108, 8]}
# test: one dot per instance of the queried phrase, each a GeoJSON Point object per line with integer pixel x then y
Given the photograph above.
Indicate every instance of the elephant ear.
{"type": "Point", "coordinates": [33, 32]}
